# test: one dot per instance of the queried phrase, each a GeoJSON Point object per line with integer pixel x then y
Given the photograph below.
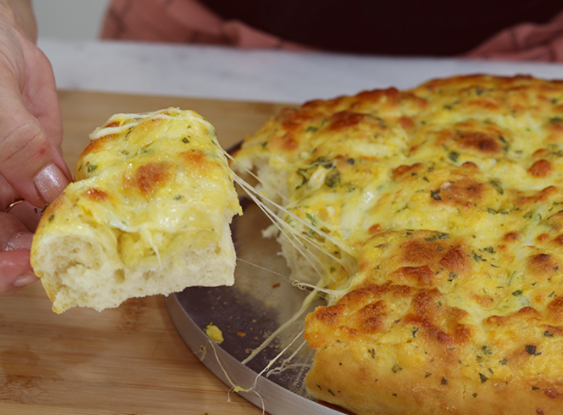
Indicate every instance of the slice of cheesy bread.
{"type": "Point", "coordinates": [149, 213]}
{"type": "Point", "coordinates": [449, 197]}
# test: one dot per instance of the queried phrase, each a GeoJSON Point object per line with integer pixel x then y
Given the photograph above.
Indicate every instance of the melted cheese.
{"type": "Point", "coordinates": [450, 198]}
{"type": "Point", "coordinates": [151, 183]}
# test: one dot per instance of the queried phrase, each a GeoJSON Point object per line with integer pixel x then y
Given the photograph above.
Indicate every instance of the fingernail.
{"type": "Point", "coordinates": [50, 182]}
{"type": "Point", "coordinates": [25, 279]}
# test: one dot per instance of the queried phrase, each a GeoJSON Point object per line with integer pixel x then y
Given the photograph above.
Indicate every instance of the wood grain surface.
{"type": "Point", "coordinates": [128, 360]}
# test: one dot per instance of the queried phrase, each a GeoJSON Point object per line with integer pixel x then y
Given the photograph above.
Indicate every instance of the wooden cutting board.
{"type": "Point", "coordinates": [128, 360]}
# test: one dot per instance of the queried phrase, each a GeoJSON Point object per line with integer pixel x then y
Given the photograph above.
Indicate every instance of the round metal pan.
{"type": "Point", "coordinates": [260, 301]}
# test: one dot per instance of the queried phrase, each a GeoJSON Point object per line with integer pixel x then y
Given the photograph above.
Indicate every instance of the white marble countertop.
{"type": "Point", "coordinates": [253, 75]}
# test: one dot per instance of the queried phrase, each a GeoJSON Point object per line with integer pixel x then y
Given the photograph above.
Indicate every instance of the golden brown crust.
{"type": "Point", "coordinates": [152, 192]}
{"type": "Point", "coordinates": [450, 198]}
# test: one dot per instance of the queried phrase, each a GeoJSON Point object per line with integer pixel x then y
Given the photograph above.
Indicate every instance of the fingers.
{"type": "Point", "coordinates": [27, 214]}
{"type": "Point", "coordinates": [40, 94]}
{"type": "Point", "coordinates": [15, 244]}
{"type": "Point", "coordinates": [29, 162]}
{"type": "Point", "coordinates": [15, 271]}
{"type": "Point", "coordinates": [30, 136]}
{"type": "Point", "coordinates": [14, 234]}
{"type": "Point", "coordinates": [7, 194]}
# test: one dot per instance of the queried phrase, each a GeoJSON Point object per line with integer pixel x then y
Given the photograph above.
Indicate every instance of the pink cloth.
{"type": "Point", "coordinates": [182, 21]}
{"type": "Point", "coordinates": [188, 21]}
{"type": "Point", "coordinates": [525, 41]}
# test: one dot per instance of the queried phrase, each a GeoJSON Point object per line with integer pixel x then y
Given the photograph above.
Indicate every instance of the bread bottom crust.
{"type": "Point", "coordinates": [358, 383]}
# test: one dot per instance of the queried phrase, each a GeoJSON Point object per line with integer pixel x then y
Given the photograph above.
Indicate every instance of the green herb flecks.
{"type": "Point", "coordinates": [322, 161]}
{"type": "Point", "coordinates": [532, 350]}
{"type": "Point", "coordinates": [453, 156]}
{"type": "Point", "coordinates": [437, 236]}
{"type": "Point", "coordinates": [477, 257]}
{"type": "Point", "coordinates": [333, 179]}
{"type": "Point", "coordinates": [498, 186]}
{"type": "Point", "coordinates": [529, 214]}
{"type": "Point", "coordinates": [486, 350]}
{"type": "Point", "coordinates": [307, 172]}
{"type": "Point", "coordinates": [451, 106]}
{"type": "Point", "coordinates": [312, 219]}
{"type": "Point", "coordinates": [505, 147]}
{"type": "Point", "coordinates": [304, 178]}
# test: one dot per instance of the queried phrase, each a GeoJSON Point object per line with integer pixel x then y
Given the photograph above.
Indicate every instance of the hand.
{"type": "Point", "coordinates": [31, 163]}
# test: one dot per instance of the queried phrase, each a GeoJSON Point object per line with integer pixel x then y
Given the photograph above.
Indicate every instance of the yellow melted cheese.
{"type": "Point", "coordinates": [152, 180]}
{"type": "Point", "coordinates": [214, 333]}
{"type": "Point", "coordinates": [450, 198]}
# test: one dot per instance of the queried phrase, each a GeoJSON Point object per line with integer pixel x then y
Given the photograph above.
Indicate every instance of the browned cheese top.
{"type": "Point", "coordinates": [449, 197]}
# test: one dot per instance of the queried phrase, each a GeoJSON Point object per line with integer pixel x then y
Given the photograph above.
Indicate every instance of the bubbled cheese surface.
{"type": "Point", "coordinates": [449, 197]}
{"type": "Point", "coordinates": [148, 214]}
{"type": "Point", "coordinates": [149, 181]}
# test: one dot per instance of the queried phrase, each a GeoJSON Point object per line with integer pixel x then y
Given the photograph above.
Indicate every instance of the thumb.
{"type": "Point", "coordinates": [29, 162]}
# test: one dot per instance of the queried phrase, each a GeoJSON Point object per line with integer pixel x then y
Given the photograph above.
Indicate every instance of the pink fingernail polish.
{"type": "Point", "coordinates": [25, 279]}
{"type": "Point", "coordinates": [50, 182]}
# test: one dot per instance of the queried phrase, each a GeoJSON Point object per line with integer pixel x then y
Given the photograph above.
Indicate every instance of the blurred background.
{"type": "Point", "coordinates": [69, 19]}
{"type": "Point", "coordinates": [69, 32]}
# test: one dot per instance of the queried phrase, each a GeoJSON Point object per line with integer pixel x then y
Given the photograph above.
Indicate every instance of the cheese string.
{"type": "Point", "coordinates": [349, 263]}
{"type": "Point", "coordinates": [234, 387]}
{"type": "Point", "coordinates": [303, 244]}
{"type": "Point", "coordinates": [252, 388]}
{"type": "Point", "coordinates": [136, 119]}
{"type": "Point", "coordinates": [306, 303]}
